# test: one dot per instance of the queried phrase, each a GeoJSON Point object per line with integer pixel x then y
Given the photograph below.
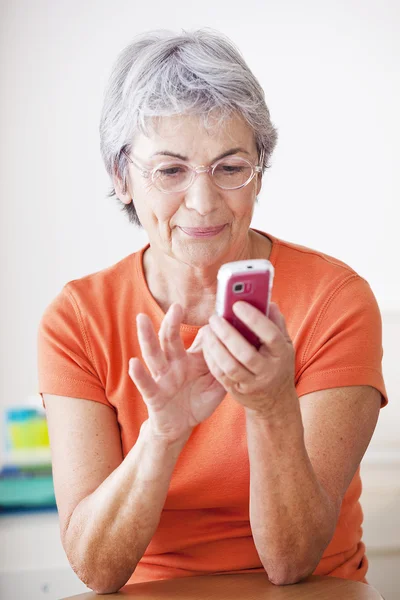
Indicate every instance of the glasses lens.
{"type": "Point", "coordinates": [172, 177]}
{"type": "Point", "coordinates": [232, 172]}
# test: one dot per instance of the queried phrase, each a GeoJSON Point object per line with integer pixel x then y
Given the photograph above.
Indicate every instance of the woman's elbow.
{"type": "Point", "coordinates": [113, 589]}
{"type": "Point", "coordinates": [285, 578]}
{"type": "Point", "coordinates": [100, 585]}
{"type": "Point", "coordinates": [100, 579]}
{"type": "Point", "coordinates": [287, 572]}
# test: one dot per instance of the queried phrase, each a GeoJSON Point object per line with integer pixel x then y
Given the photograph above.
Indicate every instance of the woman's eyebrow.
{"type": "Point", "coordinates": [181, 157]}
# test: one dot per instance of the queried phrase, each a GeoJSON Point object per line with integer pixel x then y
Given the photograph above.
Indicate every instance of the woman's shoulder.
{"type": "Point", "coordinates": [307, 255]}
{"type": "Point", "coordinates": [107, 282]}
{"type": "Point", "coordinates": [299, 260]}
{"type": "Point", "coordinates": [104, 291]}
{"type": "Point", "coordinates": [306, 277]}
{"type": "Point", "coordinates": [302, 254]}
{"type": "Point", "coordinates": [95, 294]}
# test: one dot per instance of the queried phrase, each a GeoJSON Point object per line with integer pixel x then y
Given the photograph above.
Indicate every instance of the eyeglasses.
{"type": "Point", "coordinates": [229, 173]}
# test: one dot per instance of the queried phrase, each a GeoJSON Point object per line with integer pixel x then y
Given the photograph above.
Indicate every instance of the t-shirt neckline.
{"type": "Point", "coordinates": [153, 304]}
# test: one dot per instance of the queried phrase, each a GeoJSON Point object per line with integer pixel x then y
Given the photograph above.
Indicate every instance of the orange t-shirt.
{"type": "Point", "coordinates": [87, 336]}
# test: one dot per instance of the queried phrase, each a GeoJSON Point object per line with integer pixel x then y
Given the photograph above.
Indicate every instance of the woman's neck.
{"type": "Point", "coordinates": [169, 280]}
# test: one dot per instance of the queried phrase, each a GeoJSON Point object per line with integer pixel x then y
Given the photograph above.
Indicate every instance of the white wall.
{"type": "Point", "coordinates": [331, 78]}
{"type": "Point", "coordinates": [330, 71]}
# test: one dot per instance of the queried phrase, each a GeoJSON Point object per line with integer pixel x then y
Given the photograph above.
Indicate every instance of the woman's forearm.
{"type": "Point", "coordinates": [110, 529]}
{"type": "Point", "coordinates": [291, 515]}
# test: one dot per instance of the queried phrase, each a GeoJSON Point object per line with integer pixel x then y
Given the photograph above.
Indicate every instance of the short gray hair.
{"type": "Point", "coordinates": [163, 73]}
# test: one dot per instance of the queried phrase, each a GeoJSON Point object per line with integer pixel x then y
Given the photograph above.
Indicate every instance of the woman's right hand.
{"type": "Point", "coordinates": [179, 392]}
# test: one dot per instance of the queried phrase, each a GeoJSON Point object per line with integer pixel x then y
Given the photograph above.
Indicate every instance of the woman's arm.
{"type": "Point", "coordinates": [109, 510]}
{"type": "Point", "coordinates": [303, 455]}
{"type": "Point", "coordinates": [301, 464]}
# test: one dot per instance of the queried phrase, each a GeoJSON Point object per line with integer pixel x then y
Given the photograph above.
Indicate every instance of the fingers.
{"type": "Point", "coordinates": [150, 346]}
{"type": "Point", "coordinates": [213, 367]}
{"type": "Point", "coordinates": [220, 361]}
{"type": "Point", "coordinates": [198, 341]}
{"type": "Point", "coordinates": [158, 351]}
{"type": "Point", "coordinates": [268, 329]}
{"type": "Point", "coordinates": [237, 345]}
{"type": "Point", "coordinates": [169, 333]}
{"type": "Point", "coordinates": [141, 378]}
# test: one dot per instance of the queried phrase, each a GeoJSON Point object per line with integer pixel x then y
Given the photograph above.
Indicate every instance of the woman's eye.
{"type": "Point", "coordinates": [170, 171]}
{"type": "Point", "coordinates": [230, 169]}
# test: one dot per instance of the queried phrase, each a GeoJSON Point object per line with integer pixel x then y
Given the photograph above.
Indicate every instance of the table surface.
{"type": "Point", "coordinates": [240, 587]}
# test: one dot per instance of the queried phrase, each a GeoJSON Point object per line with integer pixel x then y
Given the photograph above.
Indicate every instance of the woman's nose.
{"type": "Point", "coordinates": [203, 195]}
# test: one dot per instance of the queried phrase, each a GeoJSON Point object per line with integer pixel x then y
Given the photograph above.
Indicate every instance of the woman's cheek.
{"type": "Point", "coordinates": [166, 209]}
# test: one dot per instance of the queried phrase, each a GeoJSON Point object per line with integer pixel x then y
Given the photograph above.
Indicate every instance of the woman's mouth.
{"type": "Point", "coordinates": [202, 231]}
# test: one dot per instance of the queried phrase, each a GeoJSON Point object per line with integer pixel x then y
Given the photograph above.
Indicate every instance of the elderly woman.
{"type": "Point", "coordinates": [178, 448]}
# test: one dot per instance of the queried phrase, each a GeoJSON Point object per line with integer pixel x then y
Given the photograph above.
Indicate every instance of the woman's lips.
{"type": "Point", "coordinates": [202, 231]}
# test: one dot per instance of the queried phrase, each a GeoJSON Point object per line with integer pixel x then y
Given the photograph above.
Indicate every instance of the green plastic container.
{"type": "Point", "coordinates": [27, 492]}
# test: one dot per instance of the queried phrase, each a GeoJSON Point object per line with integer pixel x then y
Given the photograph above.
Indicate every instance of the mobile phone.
{"type": "Point", "coordinates": [247, 280]}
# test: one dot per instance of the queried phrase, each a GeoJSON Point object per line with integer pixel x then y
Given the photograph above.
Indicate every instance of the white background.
{"type": "Point", "coordinates": [330, 71]}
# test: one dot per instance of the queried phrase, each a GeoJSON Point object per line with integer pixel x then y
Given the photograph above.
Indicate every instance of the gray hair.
{"type": "Point", "coordinates": [163, 73]}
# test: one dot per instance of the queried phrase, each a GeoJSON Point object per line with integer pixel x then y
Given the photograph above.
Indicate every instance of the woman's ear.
{"type": "Point", "coordinates": [121, 187]}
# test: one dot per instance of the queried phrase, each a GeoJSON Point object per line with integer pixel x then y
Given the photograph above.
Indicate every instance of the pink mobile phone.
{"type": "Point", "coordinates": [247, 280]}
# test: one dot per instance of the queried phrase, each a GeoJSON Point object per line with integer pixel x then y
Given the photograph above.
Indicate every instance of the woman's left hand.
{"type": "Point", "coordinates": [257, 379]}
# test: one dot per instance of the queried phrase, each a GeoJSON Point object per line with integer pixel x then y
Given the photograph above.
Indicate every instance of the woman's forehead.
{"type": "Point", "coordinates": [184, 134]}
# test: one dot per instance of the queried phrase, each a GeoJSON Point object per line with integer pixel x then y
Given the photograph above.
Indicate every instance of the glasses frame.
{"type": "Point", "coordinates": [195, 171]}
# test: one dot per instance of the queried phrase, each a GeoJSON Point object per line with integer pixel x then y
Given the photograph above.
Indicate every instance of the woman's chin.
{"type": "Point", "coordinates": [200, 256]}
{"type": "Point", "coordinates": [201, 250]}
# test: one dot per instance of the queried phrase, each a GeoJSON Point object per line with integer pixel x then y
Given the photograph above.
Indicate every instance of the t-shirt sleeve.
{"type": "Point", "coordinates": [65, 362]}
{"type": "Point", "coordinates": [345, 342]}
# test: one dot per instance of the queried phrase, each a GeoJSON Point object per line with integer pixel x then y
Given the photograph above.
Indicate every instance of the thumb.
{"type": "Point", "coordinates": [198, 341]}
